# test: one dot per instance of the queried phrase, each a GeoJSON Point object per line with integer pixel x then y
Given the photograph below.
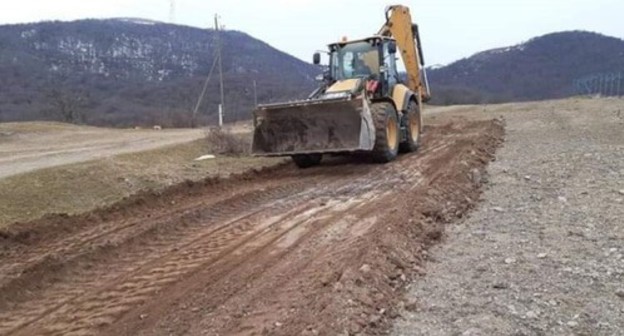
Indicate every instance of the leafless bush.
{"type": "Point", "coordinates": [67, 106]}
{"type": "Point", "coordinates": [227, 143]}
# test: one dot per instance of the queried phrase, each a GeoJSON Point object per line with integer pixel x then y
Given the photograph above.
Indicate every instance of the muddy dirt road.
{"type": "Point", "coordinates": [282, 251]}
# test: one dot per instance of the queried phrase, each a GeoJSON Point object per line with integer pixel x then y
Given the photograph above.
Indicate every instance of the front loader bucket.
{"type": "Point", "coordinates": [313, 126]}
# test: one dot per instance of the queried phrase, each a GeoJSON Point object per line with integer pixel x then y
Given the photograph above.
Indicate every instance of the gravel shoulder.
{"type": "Point", "coordinates": [543, 252]}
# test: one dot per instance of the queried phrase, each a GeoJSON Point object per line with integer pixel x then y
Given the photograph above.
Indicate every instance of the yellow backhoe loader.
{"type": "Point", "coordinates": [362, 104]}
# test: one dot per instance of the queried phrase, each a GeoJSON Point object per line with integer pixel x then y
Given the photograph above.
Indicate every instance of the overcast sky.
{"type": "Point", "coordinates": [451, 29]}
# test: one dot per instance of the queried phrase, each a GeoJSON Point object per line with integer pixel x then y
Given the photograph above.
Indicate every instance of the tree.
{"type": "Point", "coordinates": [67, 106]}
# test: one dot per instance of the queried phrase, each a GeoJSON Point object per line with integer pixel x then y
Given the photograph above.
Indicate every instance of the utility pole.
{"type": "Point", "coordinates": [255, 93]}
{"type": "Point", "coordinates": [219, 55]}
{"type": "Point", "coordinates": [597, 85]}
{"type": "Point", "coordinates": [611, 82]}
{"type": "Point", "coordinates": [600, 85]}
{"type": "Point", "coordinates": [171, 11]}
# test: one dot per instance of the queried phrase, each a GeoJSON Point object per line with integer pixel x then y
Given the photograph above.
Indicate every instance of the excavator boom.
{"type": "Point", "coordinates": [399, 25]}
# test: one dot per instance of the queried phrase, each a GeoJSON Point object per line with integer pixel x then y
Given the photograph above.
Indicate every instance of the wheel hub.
{"type": "Point", "coordinates": [392, 134]}
{"type": "Point", "coordinates": [414, 125]}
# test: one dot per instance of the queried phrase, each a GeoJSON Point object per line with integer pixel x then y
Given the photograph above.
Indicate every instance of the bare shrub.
{"type": "Point", "coordinates": [67, 106]}
{"type": "Point", "coordinates": [227, 143]}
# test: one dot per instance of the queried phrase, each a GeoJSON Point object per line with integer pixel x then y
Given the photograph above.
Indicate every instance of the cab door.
{"type": "Point", "coordinates": [391, 74]}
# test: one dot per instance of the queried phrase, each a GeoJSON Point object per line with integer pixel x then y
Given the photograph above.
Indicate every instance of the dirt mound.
{"type": "Point", "coordinates": [281, 251]}
{"type": "Point", "coordinates": [148, 202]}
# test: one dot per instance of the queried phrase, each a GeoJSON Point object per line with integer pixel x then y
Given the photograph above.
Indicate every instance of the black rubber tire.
{"type": "Point", "coordinates": [411, 142]}
{"type": "Point", "coordinates": [307, 160]}
{"type": "Point", "coordinates": [384, 114]}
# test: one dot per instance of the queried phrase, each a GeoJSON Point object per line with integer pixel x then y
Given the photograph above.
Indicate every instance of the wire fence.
{"type": "Point", "coordinates": [606, 85]}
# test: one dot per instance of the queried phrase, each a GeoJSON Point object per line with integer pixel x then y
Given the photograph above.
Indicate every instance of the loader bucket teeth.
{"type": "Point", "coordinates": [309, 127]}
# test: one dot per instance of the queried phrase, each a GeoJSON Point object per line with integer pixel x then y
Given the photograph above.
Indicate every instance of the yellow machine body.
{"type": "Point", "coordinates": [338, 117]}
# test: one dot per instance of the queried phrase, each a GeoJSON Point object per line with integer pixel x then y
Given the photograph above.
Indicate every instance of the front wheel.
{"type": "Point", "coordinates": [387, 132]}
{"type": "Point", "coordinates": [411, 122]}
{"type": "Point", "coordinates": [307, 160]}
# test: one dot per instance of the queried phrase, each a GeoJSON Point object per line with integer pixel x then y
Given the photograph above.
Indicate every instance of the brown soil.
{"type": "Point", "coordinates": [280, 251]}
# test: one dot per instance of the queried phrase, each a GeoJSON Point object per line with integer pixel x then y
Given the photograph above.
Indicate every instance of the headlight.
{"type": "Point", "coordinates": [337, 95]}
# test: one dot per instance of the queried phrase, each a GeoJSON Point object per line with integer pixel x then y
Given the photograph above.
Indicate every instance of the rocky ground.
{"type": "Point", "coordinates": [543, 254]}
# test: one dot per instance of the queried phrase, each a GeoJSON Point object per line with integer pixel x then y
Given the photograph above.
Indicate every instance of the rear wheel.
{"type": "Point", "coordinates": [411, 122]}
{"type": "Point", "coordinates": [387, 134]}
{"type": "Point", "coordinates": [307, 160]}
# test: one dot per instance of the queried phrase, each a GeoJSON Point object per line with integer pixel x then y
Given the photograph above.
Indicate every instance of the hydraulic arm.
{"type": "Point", "coordinates": [399, 26]}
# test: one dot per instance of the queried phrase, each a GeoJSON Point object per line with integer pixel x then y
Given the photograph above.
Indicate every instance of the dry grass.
{"type": "Point", "coordinates": [81, 187]}
{"type": "Point", "coordinates": [224, 142]}
{"type": "Point", "coordinates": [40, 126]}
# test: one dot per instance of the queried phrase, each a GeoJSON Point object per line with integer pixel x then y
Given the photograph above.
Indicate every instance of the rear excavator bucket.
{"type": "Point", "coordinates": [313, 126]}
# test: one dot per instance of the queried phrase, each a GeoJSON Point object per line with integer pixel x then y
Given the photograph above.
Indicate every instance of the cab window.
{"type": "Point", "coordinates": [354, 60]}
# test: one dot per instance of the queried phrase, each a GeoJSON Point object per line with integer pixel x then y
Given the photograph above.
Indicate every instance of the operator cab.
{"type": "Point", "coordinates": [354, 60]}
{"type": "Point", "coordinates": [372, 58]}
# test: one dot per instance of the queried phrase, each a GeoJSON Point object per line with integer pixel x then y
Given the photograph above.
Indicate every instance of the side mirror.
{"type": "Point", "coordinates": [392, 48]}
{"type": "Point", "coordinates": [316, 59]}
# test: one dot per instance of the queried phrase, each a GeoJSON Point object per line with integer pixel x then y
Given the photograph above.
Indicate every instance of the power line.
{"type": "Point", "coordinates": [200, 99]}
{"type": "Point", "coordinates": [217, 61]}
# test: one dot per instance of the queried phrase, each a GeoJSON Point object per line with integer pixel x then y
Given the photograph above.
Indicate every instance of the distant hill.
{"type": "Point", "coordinates": [126, 72]}
{"type": "Point", "coordinates": [545, 67]}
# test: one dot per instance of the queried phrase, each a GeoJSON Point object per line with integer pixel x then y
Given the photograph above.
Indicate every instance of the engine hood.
{"type": "Point", "coordinates": [344, 85]}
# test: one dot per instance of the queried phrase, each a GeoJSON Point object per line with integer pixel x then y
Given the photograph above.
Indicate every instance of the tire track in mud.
{"type": "Point", "coordinates": [17, 262]}
{"type": "Point", "coordinates": [275, 245]}
{"type": "Point", "coordinates": [328, 237]}
{"type": "Point", "coordinates": [192, 256]}
{"type": "Point", "coordinates": [121, 268]}
{"type": "Point", "coordinates": [132, 257]}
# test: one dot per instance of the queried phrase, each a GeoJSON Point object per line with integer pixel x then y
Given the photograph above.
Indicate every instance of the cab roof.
{"type": "Point", "coordinates": [378, 37]}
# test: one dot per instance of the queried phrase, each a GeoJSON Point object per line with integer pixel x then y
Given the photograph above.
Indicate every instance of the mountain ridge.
{"type": "Point", "coordinates": [128, 69]}
{"type": "Point", "coordinates": [544, 67]}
